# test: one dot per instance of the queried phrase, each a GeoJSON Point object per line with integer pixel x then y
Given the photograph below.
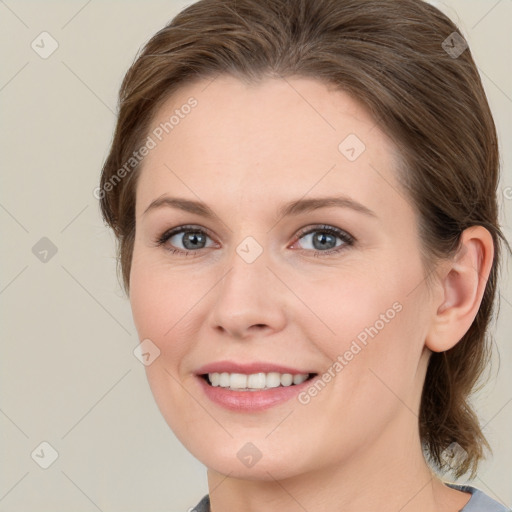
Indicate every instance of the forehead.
{"type": "Point", "coordinates": [277, 137]}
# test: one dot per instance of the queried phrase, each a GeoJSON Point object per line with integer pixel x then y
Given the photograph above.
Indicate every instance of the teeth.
{"type": "Point", "coordinates": [255, 381]}
{"type": "Point", "coordinates": [300, 378]}
{"type": "Point", "coordinates": [273, 380]}
{"type": "Point", "coordinates": [224, 380]}
{"type": "Point", "coordinates": [237, 381]}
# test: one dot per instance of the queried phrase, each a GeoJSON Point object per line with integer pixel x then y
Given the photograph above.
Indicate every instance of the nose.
{"type": "Point", "coordinates": [249, 300]}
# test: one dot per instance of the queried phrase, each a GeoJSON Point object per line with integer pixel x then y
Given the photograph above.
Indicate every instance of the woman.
{"type": "Point", "coordinates": [315, 340]}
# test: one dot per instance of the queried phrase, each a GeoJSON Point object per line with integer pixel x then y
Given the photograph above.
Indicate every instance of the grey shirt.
{"type": "Point", "coordinates": [479, 502]}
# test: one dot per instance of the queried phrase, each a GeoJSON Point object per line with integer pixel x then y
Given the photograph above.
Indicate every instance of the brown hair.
{"type": "Point", "coordinates": [390, 56]}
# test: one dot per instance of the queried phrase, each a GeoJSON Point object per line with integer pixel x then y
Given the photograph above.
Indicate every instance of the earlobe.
{"type": "Point", "coordinates": [462, 284]}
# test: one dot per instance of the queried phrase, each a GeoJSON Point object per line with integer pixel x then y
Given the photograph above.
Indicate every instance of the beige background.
{"type": "Point", "coordinates": [68, 375]}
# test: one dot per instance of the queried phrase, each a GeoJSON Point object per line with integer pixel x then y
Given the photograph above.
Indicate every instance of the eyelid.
{"type": "Point", "coordinates": [180, 229]}
{"type": "Point", "coordinates": [347, 238]}
{"type": "Point", "coordinates": [344, 235]}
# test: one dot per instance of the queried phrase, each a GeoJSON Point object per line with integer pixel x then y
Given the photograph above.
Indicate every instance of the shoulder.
{"type": "Point", "coordinates": [203, 505]}
{"type": "Point", "coordinates": [479, 501]}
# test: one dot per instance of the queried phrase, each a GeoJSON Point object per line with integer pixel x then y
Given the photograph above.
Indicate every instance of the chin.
{"type": "Point", "coordinates": [262, 471]}
{"type": "Point", "coordinates": [248, 461]}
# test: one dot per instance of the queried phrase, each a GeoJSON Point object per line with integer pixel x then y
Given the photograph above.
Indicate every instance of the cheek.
{"type": "Point", "coordinates": [353, 306]}
{"type": "Point", "coordinates": [157, 305]}
{"type": "Point", "coordinates": [366, 316]}
{"type": "Point", "coordinates": [153, 297]}
{"type": "Point", "coordinates": [148, 305]}
{"type": "Point", "coordinates": [378, 327]}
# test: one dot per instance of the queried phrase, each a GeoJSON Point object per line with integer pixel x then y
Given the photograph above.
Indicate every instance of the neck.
{"type": "Point", "coordinates": [387, 477]}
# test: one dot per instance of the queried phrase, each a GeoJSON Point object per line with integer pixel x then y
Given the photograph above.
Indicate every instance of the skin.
{"type": "Point", "coordinates": [244, 150]}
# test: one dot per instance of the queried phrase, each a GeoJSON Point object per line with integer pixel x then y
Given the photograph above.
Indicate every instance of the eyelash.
{"type": "Point", "coordinates": [343, 235]}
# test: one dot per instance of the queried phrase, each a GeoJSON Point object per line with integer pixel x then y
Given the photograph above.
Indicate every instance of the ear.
{"type": "Point", "coordinates": [462, 281]}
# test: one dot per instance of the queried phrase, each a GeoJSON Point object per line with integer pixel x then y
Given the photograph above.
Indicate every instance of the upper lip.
{"type": "Point", "coordinates": [247, 368]}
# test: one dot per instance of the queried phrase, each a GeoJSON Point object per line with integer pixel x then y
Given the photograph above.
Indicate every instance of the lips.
{"type": "Point", "coordinates": [254, 400]}
{"type": "Point", "coordinates": [249, 368]}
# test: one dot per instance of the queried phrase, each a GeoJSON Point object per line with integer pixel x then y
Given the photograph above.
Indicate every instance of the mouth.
{"type": "Point", "coordinates": [251, 386]}
{"type": "Point", "coordinates": [260, 381]}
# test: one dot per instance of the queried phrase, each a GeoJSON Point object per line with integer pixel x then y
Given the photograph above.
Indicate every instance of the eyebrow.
{"type": "Point", "coordinates": [295, 207]}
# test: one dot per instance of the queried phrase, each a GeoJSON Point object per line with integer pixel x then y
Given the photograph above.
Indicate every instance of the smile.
{"type": "Point", "coordinates": [251, 387]}
{"type": "Point", "coordinates": [255, 381]}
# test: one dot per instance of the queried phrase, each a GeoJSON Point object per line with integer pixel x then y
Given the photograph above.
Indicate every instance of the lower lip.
{"type": "Point", "coordinates": [251, 400]}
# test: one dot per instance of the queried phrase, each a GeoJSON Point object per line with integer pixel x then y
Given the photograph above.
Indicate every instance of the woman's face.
{"type": "Point", "coordinates": [333, 289]}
